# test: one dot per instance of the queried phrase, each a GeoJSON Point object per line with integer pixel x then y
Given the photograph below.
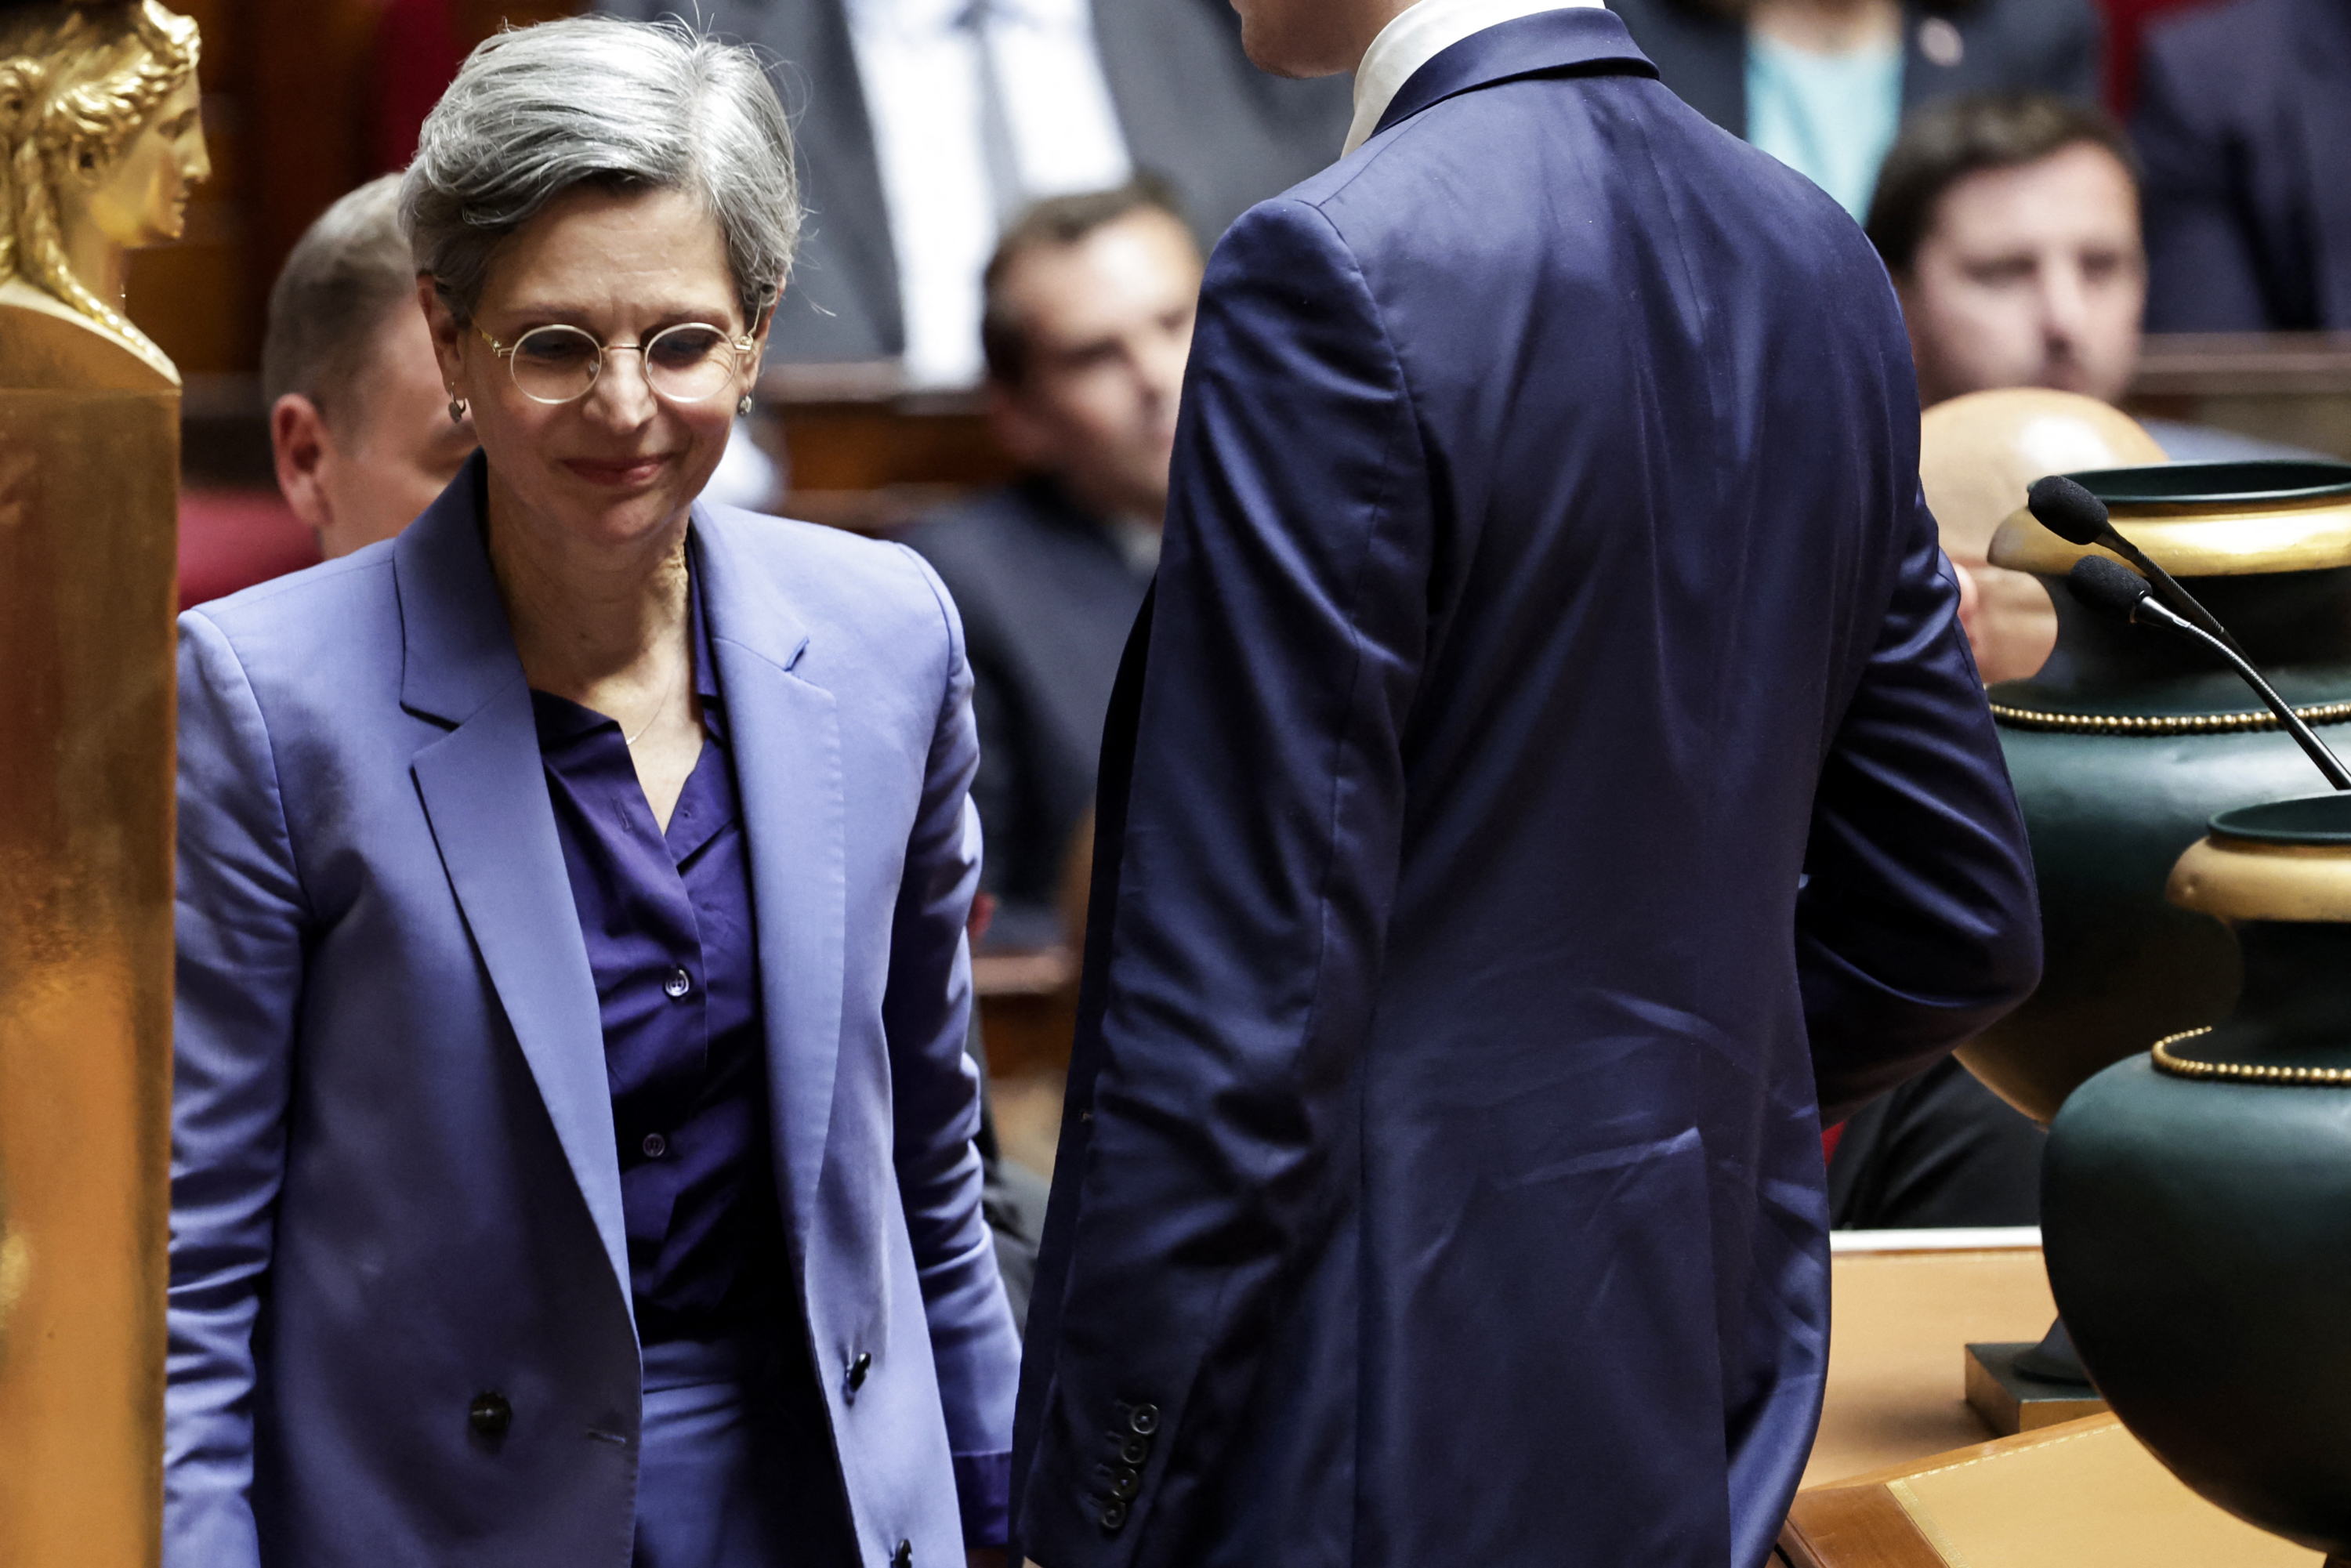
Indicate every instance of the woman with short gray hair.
{"type": "Point", "coordinates": [572, 1137]}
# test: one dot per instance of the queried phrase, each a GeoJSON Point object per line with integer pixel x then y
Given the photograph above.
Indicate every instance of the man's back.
{"type": "Point", "coordinates": [1545, 538]}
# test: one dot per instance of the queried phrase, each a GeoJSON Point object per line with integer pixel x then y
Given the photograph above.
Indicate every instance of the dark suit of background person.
{"type": "Point", "coordinates": [1550, 758]}
{"type": "Point", "coordinates": [1047, 597]}
{"type": "Point", "coordinates": [2244, 125]}
{"type": "Point", "coordinates": [1195, 112]}
{"type": "Point", "coordinates": [2053, 45]}
{"type": "Point", "coordinates": [393, 1136]}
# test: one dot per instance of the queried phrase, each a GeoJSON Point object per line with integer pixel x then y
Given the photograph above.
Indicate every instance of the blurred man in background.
{"type": "Point", "coordinates": [1087, 322]}
{"type": "Point", "coordinates": [358, 419]}
{"type": "Point", "coordinates": [2011, 225]}
{"type": "Point", "coordinates": [924, 126]}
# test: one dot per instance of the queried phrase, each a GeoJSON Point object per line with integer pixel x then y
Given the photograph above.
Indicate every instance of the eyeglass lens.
{"type": "Point", "coordinates": [687, 364]}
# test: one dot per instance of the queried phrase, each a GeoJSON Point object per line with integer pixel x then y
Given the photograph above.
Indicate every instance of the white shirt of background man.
{"type": "Point", "coordinates": [919, 62]}
{"type": "Point", "coordinates": [1417, 35]}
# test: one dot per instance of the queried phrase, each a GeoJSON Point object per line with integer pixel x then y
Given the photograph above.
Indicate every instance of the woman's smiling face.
{"type": "Point", "coordinates": [620, 463]}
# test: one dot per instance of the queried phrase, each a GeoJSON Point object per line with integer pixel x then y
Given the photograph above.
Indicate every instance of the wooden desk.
{"type": "Point", "coordinates": [1900, 1318]}
{"type": "Point", "coordinates": [2082, 1495]}
{"type": "Point", "coordinates": [2293, 387]}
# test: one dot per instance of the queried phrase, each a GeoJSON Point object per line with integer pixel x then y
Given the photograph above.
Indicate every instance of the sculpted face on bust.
{"type": "Point", "coordinates": [99, 113]}
{"type": "Point", "coordinates": [141, 198]}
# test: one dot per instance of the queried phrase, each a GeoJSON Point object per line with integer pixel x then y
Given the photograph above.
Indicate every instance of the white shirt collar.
{"type": "Point", "coordinates": [1418, 35]}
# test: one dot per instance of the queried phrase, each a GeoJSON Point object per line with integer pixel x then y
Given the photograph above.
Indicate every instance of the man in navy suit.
{"type": "Point", "coordinates": [1549, 777]}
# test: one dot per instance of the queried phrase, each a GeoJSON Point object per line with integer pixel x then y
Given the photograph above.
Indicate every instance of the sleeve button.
{"type": "Point", "coordinates": [1134, 1451]}
{"type": "Point", "coordinates": [1143, 1420]}
{"type": "Point", "coordinates": [1113, 1514]}
{"type": "Point", "coordinates": [1123, 1484]}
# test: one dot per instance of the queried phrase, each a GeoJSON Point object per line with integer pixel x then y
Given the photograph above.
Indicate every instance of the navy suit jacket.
{"type": "Point", "coordinates": [1047, 599]}
{"type": "Point", "coordinates": [1550, 769]}
{"type": "Point", "coordinates": [2245, 123]}
{"type": "Point", "coordinates": [394, 1181]}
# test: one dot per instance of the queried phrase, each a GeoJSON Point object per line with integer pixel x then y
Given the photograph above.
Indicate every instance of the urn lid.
{"type": "Point", "coordinates": [2283, 859]}
{"type": "Point", "coordinates": [2205, 520]}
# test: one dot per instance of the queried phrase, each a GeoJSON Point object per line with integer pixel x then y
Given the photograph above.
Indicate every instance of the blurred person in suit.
{"type": "Point", "coordinates": [924, 126]}
{"type": "Point", "coordinates": [357, 417]}
{"type": "Point", "coordinates": [1547, 778]}
{"type": "Point", "coordinates": [2244, 122]}
{"type": "Point", "coordinates": [1089, 318]}
{"type": "Point", "coordinates": [1823, 85]}
{"type": "Point", "coordinates": [357, 421]}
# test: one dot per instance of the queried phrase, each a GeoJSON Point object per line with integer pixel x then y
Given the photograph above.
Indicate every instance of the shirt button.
{"type": "Point", "coordinates": [655, 1145]}
{"type": "Point", "coordinates": [678, 983]}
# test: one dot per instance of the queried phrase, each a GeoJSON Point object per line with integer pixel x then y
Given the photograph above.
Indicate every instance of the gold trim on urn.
{"type": "Point", "coordinates": [2197, 539]}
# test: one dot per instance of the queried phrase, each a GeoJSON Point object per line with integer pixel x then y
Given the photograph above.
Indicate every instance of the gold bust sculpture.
{"type": "Point", "coordinates": [101, 140]}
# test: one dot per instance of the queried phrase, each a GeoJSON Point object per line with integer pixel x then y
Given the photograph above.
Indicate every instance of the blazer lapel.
{"type": "Point", "coordinates": [786, 735]}
{"type": "Point", "coordinates": [1582, 40]}
{"type": "Point", "coordinates": [485, 799]}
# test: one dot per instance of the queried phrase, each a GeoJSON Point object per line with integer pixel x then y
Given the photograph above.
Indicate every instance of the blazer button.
{"type": "Point", "coordinates": [905, 1556]}
{"type": "Point", "coordinates": [1134, 1451]}
{"type": "Point", "coordinates": [1143, 1420]}
{"type": "Point", "coordinates": [1123, 1484]}
{"type": "Point", "coordinates": [491, 1415]}
{"type": "Point", "coordinates": [1113, 1514]}
{"type": "Point", "coordinates": [857, 1371]}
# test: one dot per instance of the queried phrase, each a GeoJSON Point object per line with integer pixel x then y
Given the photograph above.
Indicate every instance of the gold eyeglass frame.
{"type": "Point", "coordinates": [747, 344]}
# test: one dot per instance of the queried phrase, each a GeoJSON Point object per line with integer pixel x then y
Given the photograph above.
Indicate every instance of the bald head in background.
{"type": "Point", "coordinates": [358, 419]}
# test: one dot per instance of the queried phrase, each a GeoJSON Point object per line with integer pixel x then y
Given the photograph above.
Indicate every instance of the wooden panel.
{"type": "Point", "coordinates": [2292, 387]}
{"type": "Point", "coordinates": [1854, 1527]}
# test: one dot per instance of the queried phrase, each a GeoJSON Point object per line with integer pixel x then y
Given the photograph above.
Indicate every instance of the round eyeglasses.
{"type": "Point", "coordinates": [685, 363]}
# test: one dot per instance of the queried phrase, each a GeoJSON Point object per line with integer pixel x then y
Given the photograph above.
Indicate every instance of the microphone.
{"type": "Point", "coordinates": [2067, 508]}
{"type": "Point", "coordinates": [2112, 589]}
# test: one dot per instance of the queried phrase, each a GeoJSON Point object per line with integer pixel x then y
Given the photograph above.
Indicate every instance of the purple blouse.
{"type": "Point", "coordinates": [668, 924]}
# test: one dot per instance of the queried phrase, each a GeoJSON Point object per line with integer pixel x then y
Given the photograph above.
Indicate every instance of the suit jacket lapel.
{"type": "Point", "coordinates": [786, 735]}
{"type": "Point", "coordinates": [1582, 40]}
{"type": "Point", "coordinates": [485, 799]}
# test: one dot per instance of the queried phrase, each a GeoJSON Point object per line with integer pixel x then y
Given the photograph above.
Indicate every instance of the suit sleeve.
{"type": "Point", "coordinates": [238, 926]}
{"type": "Point", "coordinates": [1918, 925]}
{"type": "Point", "coordinates": [2202, 273]}
{"type": "Point", "coordinates": [1260, 848]}
{"type": "Point", "coordinates": [936, 1098]}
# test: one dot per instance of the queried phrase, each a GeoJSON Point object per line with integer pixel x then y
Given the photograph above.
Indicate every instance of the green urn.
{"type": "Point", "coordinates": [2126, 743]}
{"type": "Point", "coordinates": [2196, 1201]}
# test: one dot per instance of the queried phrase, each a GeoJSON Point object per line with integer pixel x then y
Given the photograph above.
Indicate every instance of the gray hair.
{"type": "Point", "coordinates": [604, 102]}
{"type": "Point", "coordinates": [347, 274]}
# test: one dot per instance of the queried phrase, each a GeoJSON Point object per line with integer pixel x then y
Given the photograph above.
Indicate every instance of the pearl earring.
{"type": "Point", "coordinates": [745, 406]}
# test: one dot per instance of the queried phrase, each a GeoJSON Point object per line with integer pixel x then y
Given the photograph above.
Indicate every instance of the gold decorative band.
{"type": "Point", "coordinates": [2161, 724]}
{"type": "Point", "coordinates": [2239, 1072]}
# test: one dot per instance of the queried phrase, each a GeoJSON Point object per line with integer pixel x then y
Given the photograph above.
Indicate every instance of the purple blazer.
{"type": "Point", "coordinates": [395, 1188]}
